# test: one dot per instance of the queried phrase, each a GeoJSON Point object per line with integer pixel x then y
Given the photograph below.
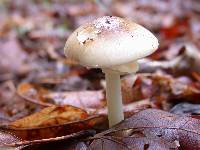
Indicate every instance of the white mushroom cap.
{"type": "Point", "coordinates": [110, 41]}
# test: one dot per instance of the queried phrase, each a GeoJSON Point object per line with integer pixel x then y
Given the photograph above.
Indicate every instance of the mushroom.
{"type": "Point", "coordinates": [113, 44]}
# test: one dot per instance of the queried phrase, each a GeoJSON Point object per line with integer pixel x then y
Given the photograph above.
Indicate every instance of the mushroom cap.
{"type": "Point", "coordinates": [109, 41]}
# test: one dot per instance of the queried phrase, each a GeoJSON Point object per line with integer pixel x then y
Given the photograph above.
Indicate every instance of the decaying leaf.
{"type": "Point", "coordinates": [81, 99]}
{"type": "Point", "coordinates": [151, 129]}
{"type": "Point", "coordinates": [42, 96]}
{"type": "Point", "coordinates": [32, 37]}
{"type": "Point", "coordinates": [50, 116]}
{"type": "Point", "coordinates": [126, 86]}
{"type": "Point", "coordinates": [137, 141]}
{"type": "Point", "coordinates": [53, 121]}
{"type": "Point", "coordinates": [28, 92]}
{"type": "Point", "coordinates": [12, 106]}
{"type": "Point", "coordinates": [186, 62]}
{"type": "Point", "coordinates": [11, 142]}
{"type": "Point", "coordinates": [163, 88]}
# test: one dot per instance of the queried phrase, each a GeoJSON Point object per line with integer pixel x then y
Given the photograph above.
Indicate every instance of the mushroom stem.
{"type": "Point", "coordinates": [114, 97]}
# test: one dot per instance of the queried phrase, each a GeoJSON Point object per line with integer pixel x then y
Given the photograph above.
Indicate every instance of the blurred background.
{"type": "Point", "coordinates": [33, 34]}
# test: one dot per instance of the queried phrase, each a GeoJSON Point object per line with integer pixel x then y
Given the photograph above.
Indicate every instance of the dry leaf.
{"type": "Point", "coordinates": [81, 99]}
{"type": "Point", "coordinates": [42, 96]}
{"type": "Point", "coordinates": [151, 129]}
{"type": "Point", "coordinates": [53, 121]}
{"type": "Point", "coordinates": [50, 116]}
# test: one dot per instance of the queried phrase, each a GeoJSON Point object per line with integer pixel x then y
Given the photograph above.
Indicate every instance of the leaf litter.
{"type": "Point", "coordinates": [48, 101]}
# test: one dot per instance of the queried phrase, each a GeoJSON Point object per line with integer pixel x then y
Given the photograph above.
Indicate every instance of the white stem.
{"type": "Point", "coordinates": [114, 97]}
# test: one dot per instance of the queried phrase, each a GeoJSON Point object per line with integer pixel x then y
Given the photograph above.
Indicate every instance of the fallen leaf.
{"type": "Point", "coordinates": [42, 96]}
{"type": "Point", "coordinates": [9, 142]}
{"type": "Point", "coordinates": [81, 99]}
{"type": "Point", "coordinates": [183, 64]}
{"type": "Point", "coordinates": [32, 93]}
{"type": "Point", "coordinates": [163, 89]}
{"type": "Point", "coordinates": [126, 87]}
{"type": "Point", "coordinates": [128, 109]}
{"type": "Point", "coordinates": [12, 106]}
{"type": "Point", "coordinates": [53, 121]}
{"type": "Point", "coordinates": [51, 116]}
{"type": "Point", "coordinates": [136, 141]}
{"type": "Point", "coordinates": [151, 129]}
{"type": "Point", "coordinates": [186, 109]}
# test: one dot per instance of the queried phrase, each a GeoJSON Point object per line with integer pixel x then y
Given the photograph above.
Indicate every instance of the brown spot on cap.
{"type": "Point", "coordinates": [110, 41]}
{"type": "Point", "coordinates": [101, 27]}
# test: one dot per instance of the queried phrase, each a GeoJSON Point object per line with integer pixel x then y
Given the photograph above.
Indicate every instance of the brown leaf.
{"type": "Point", "coordinates": [153, 129]}
{"type": "Point", "coordinates": [31, 143]}
{"type": "Point", "coordinates": [50, 116]}
{"type": "Point", "coordinates": [137, 141]}
{"type": "Point", "coordinates": [12, 106]}
{"type": "Point", "coordinates": [42, 96]}
{"type": "Point", "coordinates": [32, 93]}
{"type": "Point", "coordinates": [68, 81]}
{"type": "Point", "coordinates": [53, 121]}
{"type": "Point", "coordinates": [126, 87]}
{"type": "Point", "coordinates": [186, 62]}
{"type": "Point", "coordinates": [81, 99]}
{"type": "Point", "coordinates": [163, 89]}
